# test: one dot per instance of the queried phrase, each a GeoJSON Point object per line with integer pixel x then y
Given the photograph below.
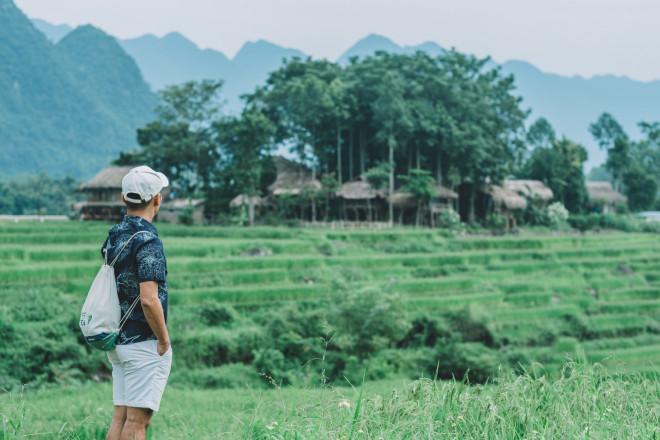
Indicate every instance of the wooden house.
{"type": "Point", "coordinates": [360, 201]}
{"type": "Point", "coordinates": [443, 199]}
{"type": "Point", "coordinates": [603, 198]}
{"type": "Point", "coordinates": [533, 190]}
{"type": "Point", "coordinates": [103, 195]}
{"type": "Point", "coordinates": [291, 182]}
{"type": "Point", "coordinates": [171, 211]}
{"type": "Point", "coordinates": [512, 196]}
{"type": "Point", "coordinates": [292, 178]}
{"type": "Point", "coordinates": [502, 202]}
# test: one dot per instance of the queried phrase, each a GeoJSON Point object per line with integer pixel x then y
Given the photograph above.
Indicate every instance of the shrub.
{"type": "Point", "coordinates": [472, 360]}
{"type": "Point", "coordinates": [583, 222]}
{"type": "Point", "coordinates": [557, 215]}
{"type": "Point", "coordinates": [215, 314]}
{"type": "Point", "coordinates": [367, 320]}
{"type": "Point", "coordinates": [451, 220]}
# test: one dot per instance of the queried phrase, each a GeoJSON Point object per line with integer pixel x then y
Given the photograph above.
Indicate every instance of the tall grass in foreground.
{"type": "Point", "coordinates": [583, 402]}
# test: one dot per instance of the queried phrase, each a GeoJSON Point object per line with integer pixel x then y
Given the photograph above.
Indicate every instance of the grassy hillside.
{"type": "Point", "coordinates": [318, 309]}
{"type": "Point", "coordinates": [417, 297]}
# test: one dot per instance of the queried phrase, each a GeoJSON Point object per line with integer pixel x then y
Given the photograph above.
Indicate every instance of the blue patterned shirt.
{"type": "Point", "coordinates": [142, 260]}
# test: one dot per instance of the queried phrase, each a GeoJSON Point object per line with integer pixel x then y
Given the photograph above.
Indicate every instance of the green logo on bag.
{"type": "Point", "coordinates": [89, 319]}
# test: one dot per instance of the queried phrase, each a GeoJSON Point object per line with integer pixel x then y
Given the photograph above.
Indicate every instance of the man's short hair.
{"type": "Point", "coordinates": [131, 206]}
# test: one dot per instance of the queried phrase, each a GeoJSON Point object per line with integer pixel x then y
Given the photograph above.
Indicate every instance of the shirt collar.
{"type": "Point", "coordinates": [140, 223]}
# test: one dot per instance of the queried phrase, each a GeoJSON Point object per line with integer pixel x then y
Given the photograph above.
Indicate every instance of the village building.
{"type": "Point", "coordinates": [292, 178]}
{"type": "Point", "coordinates": [603, 198]}
{"type": "Point", "coordinates": [103, 196]}
{"type": "Point", "coordinates": [182, 211]}
{"type": "Point", "coordinates": [503, 201]}
{"type": "Point", "coordinates": [533, 190]}
{"type": "Point", "coordinates": [361, 202]}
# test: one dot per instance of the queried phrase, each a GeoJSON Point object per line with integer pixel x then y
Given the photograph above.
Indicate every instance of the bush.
{"type": "Point", "coordinates": [367, 321]}
{"type": "Point", "coordinates": [214, 314]}
{"type": "Point", "coordinates": [557, 215]}
{"type": "Point", "coordinates": [474, 360]}
{"type": "Point", "coordinates": [583, 222]}
{"type": "Point", "coordinates": [451, 220]}
{"type": "Point", "coordinates": [619, 222]}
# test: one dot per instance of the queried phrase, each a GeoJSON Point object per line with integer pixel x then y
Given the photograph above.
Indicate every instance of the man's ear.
{"type": "Point", "coordinates": [158, 199]}
{"type": "Point", "coordinates": [123, 199]}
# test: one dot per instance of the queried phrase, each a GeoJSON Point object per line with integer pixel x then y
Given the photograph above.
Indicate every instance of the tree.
{"type": "Point", "coordinates": [560, 168]}
{"type": "Point", "coordinates": [612, 138]}
{"type": "Point", "coordinates": [393, 118]}
{"type": "Point", "coordinates": [183, 140]}
{"type": "Point", "coordinates": [247, 140]}
{"type": "Point", "coordinates": [641, 188]}
{"type": "Point", "coordinates": [418, 183]}
{"type": "Point", "coordinates": [541, 134]}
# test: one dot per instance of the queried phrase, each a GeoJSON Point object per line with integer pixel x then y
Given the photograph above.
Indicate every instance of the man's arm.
{"type": "Point", "coordinates": [153, 311]}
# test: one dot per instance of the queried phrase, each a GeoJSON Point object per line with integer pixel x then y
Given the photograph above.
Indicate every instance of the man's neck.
{"type": "Point", "coordinates": [147, 214]}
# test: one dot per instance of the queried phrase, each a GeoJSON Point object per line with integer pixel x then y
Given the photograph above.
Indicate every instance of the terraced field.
{"type": "Point", "coordinates": [604, 286]}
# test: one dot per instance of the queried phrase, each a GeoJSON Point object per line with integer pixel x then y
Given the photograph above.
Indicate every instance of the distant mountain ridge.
{"type": "Point", "coordinates": [570, 104]}
{"type": "Point", "coordinates": [67, 108]}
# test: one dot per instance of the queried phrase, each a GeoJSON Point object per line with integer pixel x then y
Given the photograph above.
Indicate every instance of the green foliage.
{"type": "Point", "coordinates": [183, 139]}
{"type": "Point", "coordinates": [641, 188]}
{"type": "Point", "coordinates": [560, 168]}
{"type": "Point", "coordinates": [38, 194]}
{"type": "Point", "coordinates": [392, 302]}
{"type": "Point", "coordinates": [452, 221]}
{"type": "Point", "coordinates": [557, 215]}
{"type": "Point", "coordinates": [186, 216]}
{"type": "Point", "coordinates": [378, 176]}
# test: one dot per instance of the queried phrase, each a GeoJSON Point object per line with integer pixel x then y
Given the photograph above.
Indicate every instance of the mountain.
{"type": "Point", "coordinates": [99, 64]}
{"type": "Point", "coordinates": [570, 104]}
{"type": "Point", "coordinates": [67, 108]}
{"type": "Point", "coordinates": [373, 43]}
{"type": "Point", "coordinates": [53, 32]}
{"type": "Point", "coordinates": [174, 59]}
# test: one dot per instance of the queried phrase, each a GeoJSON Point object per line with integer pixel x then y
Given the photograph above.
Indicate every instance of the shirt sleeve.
{"type": "Point", "coordinates": [151, 262]}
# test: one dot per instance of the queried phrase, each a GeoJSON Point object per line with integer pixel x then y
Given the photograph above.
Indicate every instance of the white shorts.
{"type": "Point", "coordinates": [139, 374]}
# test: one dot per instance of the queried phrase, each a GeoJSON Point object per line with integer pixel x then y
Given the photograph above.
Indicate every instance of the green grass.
{"type": "Point", "coordinates": [583, 402]}
{"type": "Point", "coordinates": [550, 296]}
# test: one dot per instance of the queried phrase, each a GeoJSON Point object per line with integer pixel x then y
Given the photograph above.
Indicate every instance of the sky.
{"type": "Point", "coordinates": [567, 37]}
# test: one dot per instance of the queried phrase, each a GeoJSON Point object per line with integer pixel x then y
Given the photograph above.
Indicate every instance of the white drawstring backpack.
{"type": "Point", "coordinates": [100, 317]}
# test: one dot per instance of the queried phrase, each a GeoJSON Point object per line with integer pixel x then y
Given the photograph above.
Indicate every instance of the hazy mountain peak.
{"type": "Point", "coordinates": [52, 31]}
{"type": "Point", "coordinates": [264, 48]}
{"type": "Point", "coordinates": [369, 45]}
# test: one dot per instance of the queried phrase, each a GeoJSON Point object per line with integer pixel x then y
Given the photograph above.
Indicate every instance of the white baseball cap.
{"type": "Point", "coordinates": [143, 182]}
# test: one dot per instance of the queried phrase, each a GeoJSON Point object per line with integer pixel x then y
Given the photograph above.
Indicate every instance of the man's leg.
{"type": "Point", "coordinates": [137, 422]}
{"type": "Point", "coordinates": [117, 424]}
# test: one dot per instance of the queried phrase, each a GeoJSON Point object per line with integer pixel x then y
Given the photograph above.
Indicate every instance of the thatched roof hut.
{"type": "Point", "coordinates": [602, 192]}
{"type": "Point", "coordinates": [503, 197]}
{"type": "Point", "coordinates": [442, 192]}
{"type": "Point", "coordinates": [403, 200]}
{"type": "Point", "coordinates": [359, 190]}
{"type": "Point", "coordinates": [107, 179]}
{"type": "Point", "coordinates": [243, 199]}
{"type": "Point", "coordinates": [292, 177]}
{"type": "Point", "coordinates": [529, 188]}
{"type": "Point", "coordinates": [171, 210]}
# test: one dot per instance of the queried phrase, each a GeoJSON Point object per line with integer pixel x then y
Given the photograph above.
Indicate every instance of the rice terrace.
{"type": "Point", "coordinates": [304, 333]}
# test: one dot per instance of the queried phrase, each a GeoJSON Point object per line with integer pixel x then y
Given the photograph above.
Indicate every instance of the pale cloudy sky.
{"type": "Point", "coordinates": [568, 37]}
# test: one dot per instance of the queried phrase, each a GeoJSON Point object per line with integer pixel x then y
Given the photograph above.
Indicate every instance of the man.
{"type": "Point", "coordinates": [142, 359]}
